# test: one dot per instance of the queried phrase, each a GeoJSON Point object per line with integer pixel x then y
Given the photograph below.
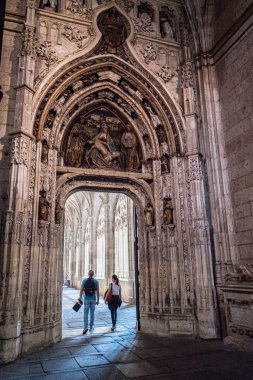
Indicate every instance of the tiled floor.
{"type": "Point", "coordinates": [126, 354]}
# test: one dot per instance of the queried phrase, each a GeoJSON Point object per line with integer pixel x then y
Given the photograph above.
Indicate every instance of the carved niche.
{"type": "Point", "coordinates": [101, 140]}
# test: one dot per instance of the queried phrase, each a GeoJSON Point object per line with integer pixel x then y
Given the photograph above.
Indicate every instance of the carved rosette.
{"type": "Point", "coordinates": [166, 73]}
{"type": "Point", "coordinates": [19, 150]}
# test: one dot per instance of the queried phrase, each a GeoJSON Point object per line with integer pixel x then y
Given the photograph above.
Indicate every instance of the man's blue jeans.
{"type": "Point", "coordinates": [89, 306]}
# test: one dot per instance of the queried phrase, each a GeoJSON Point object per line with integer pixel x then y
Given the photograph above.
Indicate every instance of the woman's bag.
{"type": "Point", "coordinates": [108, 294]}
{"type": "Point", "coordinates": [120, 303]}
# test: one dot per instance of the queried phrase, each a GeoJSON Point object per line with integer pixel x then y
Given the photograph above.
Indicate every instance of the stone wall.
{"type": "Point", "coordinates": [235, 88]}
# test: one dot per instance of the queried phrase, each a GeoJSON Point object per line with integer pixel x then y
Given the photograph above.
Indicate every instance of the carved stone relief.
{"type": "Point", "coordinates": [73, 34]}
{"type": "Point", "coordinates": [100, 140]}
{"type": "Point", "coordinates": [149, 52]}
{"type": "Point", "coordinates": [46, 52]}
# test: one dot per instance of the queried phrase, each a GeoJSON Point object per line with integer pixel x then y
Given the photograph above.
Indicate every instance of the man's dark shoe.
{"type": "Point", "coordinates": [85, 331]}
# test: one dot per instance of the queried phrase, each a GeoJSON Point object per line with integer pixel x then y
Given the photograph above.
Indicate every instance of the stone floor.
{"type": "Point", "coordinates": [126, 354]}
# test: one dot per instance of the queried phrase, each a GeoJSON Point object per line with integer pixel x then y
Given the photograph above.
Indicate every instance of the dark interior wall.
{"type": "Point", "coordinates": [235, 89]}
{"type": "Point", "coordinates": [226, 14]}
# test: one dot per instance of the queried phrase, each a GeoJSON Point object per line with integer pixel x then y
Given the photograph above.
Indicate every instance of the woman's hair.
{"type": "Point", "coordinates": [115, 278]}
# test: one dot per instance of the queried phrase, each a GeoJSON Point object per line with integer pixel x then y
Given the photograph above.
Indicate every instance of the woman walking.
{"type": "Point", "coordinates": [113, 298]}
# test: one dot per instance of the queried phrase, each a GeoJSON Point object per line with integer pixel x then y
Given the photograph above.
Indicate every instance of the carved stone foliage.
{"type": "Point", "coordinates": [166, 73]}
{"type": "Point", "coordinates": [187, 75]}
{"type": "Point", "coordinates": [74, 34]}
{"type": "Point", "coordinates": [28, 41]}
{"type": "Point", "coordinates": [46, 52]}
{"type": "Point", "coordinates": [100, 140]}
{"type": "Point", "coordinates": [149, 52]}
{"type": "Point", "coordinates": [195, 168]}
{"type": "Point", "coordinates": [19, 150]}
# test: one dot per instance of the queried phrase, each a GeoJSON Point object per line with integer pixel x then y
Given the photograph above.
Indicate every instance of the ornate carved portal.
{"type": "Point", "coordinates": [103, 121]}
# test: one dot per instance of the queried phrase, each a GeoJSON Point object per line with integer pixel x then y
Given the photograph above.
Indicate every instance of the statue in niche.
{"type": "Point", "coordinates": [44, 152]}
{"type": "Point", "coordinates": [151, 113]}
{"type": "Point", "coordinates": [162, 138]}
{"type": "Point", "coordinates": [145, 16]}
{"type": "Point", "coordinates": [58, 212]}
{"type": "Point", "coordinates": [167, 27]}
{"type": "Point", "coordinates": [129, 147]}
{"type": "Point", "coordinates": [167, 211]}
{"type": "Point", "coordinates": [147, 145]}
{"type": "Point", "coordinates": [165, 164]}
{"type": "Point", "coordinates": [149, 215]}
{"type": "Point", "coordinates": [50, 119]}
{"type": "Point", "coordinates": [102, 152]}
{"type": "Point", "coordinates": [43, 206]}
{"type": "Point", "coordinates": [75, 147]}
{"type": "Point", "coordinates": [48, 4]}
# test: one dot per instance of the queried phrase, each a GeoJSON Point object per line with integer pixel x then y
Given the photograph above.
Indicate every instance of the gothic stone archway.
{"type": "Point", "coordinates": [102, 120]}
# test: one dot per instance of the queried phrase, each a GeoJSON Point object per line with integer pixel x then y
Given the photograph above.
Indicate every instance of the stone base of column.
{"type": "Point", "coordinates": [168, 325]}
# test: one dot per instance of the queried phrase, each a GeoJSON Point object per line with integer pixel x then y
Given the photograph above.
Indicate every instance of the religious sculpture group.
{"type": "Point", "coordinates": [103, 144]}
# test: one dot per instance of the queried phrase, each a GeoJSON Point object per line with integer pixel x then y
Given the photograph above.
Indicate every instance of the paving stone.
{"type": "Point", "coordinates": [50, 353]}
{"type": "Point", "coordinates": [35, 368]}
{"type": "Point", "coordinates": [21, 369]}
{"type": "Point", "coordinates": [142, 368]}
{"type": "Point", "coordinates": [91, 360]}
{"type": "Point", "coordinates": [75, 375]}
{"type": "Point", "coordinates": [59, 365]}
{"type": "Point", "coordinates": [100, 339]}
{"type": "Point", "coordinates": [124, 356]}
{"type": "Point", "coordinates": [82, 350]}
{"type": "Point", "coordinates": [108, 347]}
{"type": "Point", "coordinates": [104, 373]}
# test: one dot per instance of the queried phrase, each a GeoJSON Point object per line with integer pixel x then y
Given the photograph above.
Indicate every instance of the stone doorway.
{"type": "Point", "coordinates": [100, 233]}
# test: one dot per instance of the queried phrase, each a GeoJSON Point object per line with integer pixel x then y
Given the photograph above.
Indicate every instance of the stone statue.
{"type": "Point", "coordinates": [149, 215]}
{"type": "Point", "coordinates": [243, 272]}
{"type": "Point", "coordinates": [49, 4]}
{"type": "Point", "coordinates": [43, 206]}
{"type": "Point", "coordinates": [44, 152]}
{"type": "Point", "coordinates": [149, 110]}
{"type": "Point", "coordinates": [102, 152]}
{"type": "Point", "coordinates": [167, 211]}
{"type": "Point", "coordinates": [75, 148]}
{"type": "Point", "coordinates": [50, 119]}
{"type": "Point", "coordinates": [58, 213]}
{"type": "Point", "coordinates": [129, 144]}
{"type": "Point", "coordinates": [166, 29]}
{"type": "Point", "coordinates": [165, 164]}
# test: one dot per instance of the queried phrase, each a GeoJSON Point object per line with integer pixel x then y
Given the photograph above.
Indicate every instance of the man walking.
{"type": "Point", "coordinates": [90, 288]}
